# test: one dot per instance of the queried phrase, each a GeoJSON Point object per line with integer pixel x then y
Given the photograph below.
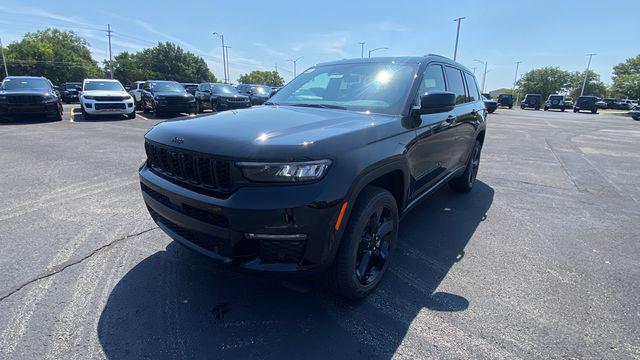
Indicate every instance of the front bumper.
{"type": "Point", "coordinates": [187, 107]}
{"type": "Point", "coordinates": [48, 108]}
{"type": "Point", "coordinates": [93, 107]}
{"type": "Point", "coordinates": [222, 228]}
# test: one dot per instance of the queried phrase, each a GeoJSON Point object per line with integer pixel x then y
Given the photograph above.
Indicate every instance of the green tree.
{"type": "Point", "coordinates": [165, 61]}
{"type": "Point", "coordinates": [626, 79]}
{"type": "Point", "coordinates": [594, 86]}
{"type": "Point", "coordinates": [271, 78]}
{"type": "Point", "coordinates": [544, 81]}
{"type": "Point", "coordinates": [57, 55]}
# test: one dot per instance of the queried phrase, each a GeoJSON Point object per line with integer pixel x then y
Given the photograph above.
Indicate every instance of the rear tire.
{"type": "Point", "coordinates": [464, 183]}
{"type": "Point", "coordinates": [367, 245]}
{"type": "Point", "coordinates": [214, 106]}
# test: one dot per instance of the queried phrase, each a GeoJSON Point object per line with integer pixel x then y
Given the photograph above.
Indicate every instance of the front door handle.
{"type": "Point", "coordinates": [450, 119]}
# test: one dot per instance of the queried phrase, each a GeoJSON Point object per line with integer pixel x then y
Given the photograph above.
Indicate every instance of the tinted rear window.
{"type": "Point", "coordinates": [456, 84]}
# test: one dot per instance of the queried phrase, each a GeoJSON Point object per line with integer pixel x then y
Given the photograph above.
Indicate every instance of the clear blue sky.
{"type": "Point", "coordinates": [261, 34]}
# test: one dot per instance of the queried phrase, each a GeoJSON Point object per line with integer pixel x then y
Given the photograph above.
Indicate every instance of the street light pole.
{"type": "Point", "coordinates": [4, 59]}
{"type": "Point", "coordinates": [515, 78]}
{"type": "Point", "coordinates": [226, 51]}
{"type": "Point", "coordinates": [361, 49]}
{"type": "Point", "coordinates": [295, 62]}
{"type": "Point", "coordinates": [484, 76]}
{"type": "Point", "coordinates": [586, 73]}
{"type": "Point", "coordinates": [224, 58]}
{"type": "Point", "coordinates": [376, 49]}
{"type": "Point", "coordinates": [455, 51]}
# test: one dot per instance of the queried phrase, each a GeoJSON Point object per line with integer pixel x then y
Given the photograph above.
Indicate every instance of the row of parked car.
{"type": "Point", "coordinates": [38, 96]}
{"type": "Point", "coordinates": [559, 102]}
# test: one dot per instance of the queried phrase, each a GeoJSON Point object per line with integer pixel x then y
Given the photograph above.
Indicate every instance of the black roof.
{"type": "Point", "coordinates": [399, 59]}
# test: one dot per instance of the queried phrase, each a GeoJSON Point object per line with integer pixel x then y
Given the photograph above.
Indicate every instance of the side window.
{"type": "Point", "coordinates": [432, 80]}
{"type": "Point", "coordinates": [474, 94]}
{"type": "Point", "coordinates": [456, 84]}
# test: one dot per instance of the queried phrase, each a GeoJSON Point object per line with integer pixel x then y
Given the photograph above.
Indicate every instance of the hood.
{"type": "Point", "coordinates": [171, 94]}
{"type": "Point", "coordinates": [105, 93]}
{"type": "Point", "coordinates": [24, 92]}
{"type": "Point", "coordinates": [276, 132]}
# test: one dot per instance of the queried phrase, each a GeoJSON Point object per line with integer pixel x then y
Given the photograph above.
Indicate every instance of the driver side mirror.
{"type": "Point", "coordinates": [436, 102]}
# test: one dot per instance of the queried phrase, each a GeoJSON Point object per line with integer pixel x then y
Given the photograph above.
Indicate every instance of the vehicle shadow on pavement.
{"type": "Point", "coordinates": [25, 120]}
{"type": "Point", "coordinates": [178, 304]}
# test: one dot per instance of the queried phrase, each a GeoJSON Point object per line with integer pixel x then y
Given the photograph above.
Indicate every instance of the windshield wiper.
{"type": "Point", "coordinates": [322, 106]}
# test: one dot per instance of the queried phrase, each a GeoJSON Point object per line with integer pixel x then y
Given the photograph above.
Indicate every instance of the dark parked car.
{"type": "Point", "coordinates": [490, 104]}
{"type": "Point", "coordinates": [163, 97]}
{"type": "Point", "coordinates": [258, 94]}
{"type": "Point", "coordinates": [191, 88]}
{"type": "Point", "coordinates": [218, 97]}
{"type": "Point", "coordinates": [318, 178]}
{"type": "Point", "coordinates": [29, 95]}
{"type": "Point", "coordinates": [555, 102]}
{"type": "Point", "coordinates": [586, 103]}
{"type": "Point", "coordinates": [531, 101]}
{"type": "Point", "coordinates": [70, 92]}
{"type": "Point", "coordinates": [505, 100]}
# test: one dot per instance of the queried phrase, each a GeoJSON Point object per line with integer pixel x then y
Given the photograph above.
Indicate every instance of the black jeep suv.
{"type": "Point", "coordinates": [162, 97]}
{"type": "Point", "coordinates": [586, 103]}
{"type": "Point", "coordinates": [70, 92]}
{"type": "Point", "coordinates": [218, 97]}
{"type": "Point", "coordinates": [258, 94]}
{"type": "Point", "coordinates": [531, 101]}
{"type": "Point", "coordinates": [505, 100]}
{"type": "Point", "coordinates": [555, 102]}
{"type": "Point", "coordinates": [318, 178]}
{"type": "Point", "coordinates": [21, 95]}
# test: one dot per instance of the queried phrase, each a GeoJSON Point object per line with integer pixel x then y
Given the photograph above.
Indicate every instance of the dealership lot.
{"type": "Point", "coordinates": [540, 260]}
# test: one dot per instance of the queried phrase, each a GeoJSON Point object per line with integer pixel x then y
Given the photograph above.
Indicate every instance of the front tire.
{"type": "Point", "coordinates": [131, 116]}
{"type": "Point", "coordinates": [464, 183]}
{"type": "Point", "coordinates": [367, 244]}
{"type": "Point", "coordinates": [156, 112]}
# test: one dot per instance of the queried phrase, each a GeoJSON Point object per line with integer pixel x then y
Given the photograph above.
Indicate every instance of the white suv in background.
{"type": "Point", "coordinates": [105, 97]}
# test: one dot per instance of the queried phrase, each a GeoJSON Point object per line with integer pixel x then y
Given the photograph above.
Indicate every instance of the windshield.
{"type": "Point", "coordinates": [261, 90]}
{"type": "Point", "coordinates": [224, 89]}
{"type": "Point", "coordinates": [486, 96]}
{"type": "Point", "coordinates": [25, 84]}
{"type": "Point", "coordinates": [167, 87]}
{"type": "Point", "coordinates": [72, 86]}
{"type": "Point", "coordinates": [505, 96]}
{"type": "Point", "coordinates": [103, 85]}
{"type": "Point", "coordinates": [376, 87]}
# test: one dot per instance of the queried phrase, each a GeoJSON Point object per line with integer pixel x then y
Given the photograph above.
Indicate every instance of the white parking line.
{"type": "Point", "coordinates": [144, 117]}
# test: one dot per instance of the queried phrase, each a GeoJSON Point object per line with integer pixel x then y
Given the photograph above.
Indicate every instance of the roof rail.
{"type": "Point", "coordinates": [438, 56]}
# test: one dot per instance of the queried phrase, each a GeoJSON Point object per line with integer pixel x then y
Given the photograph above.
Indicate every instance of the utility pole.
{"type": "Point", "coordinates": [515, 78]}
{"type": "Point", "coordinates": [484, 76]}
{"type": "Point", "coordinates": [376, 49]}
{"type": "Point", "coordinates": [224, 58]}
{"type": "Point", "coordinates": [455, 51]}
{"type": "Point", "coordinates": [4, 59]}
{"type": "Point", "coordinates": [110, 55]}
{"type": "Point", "coordinates": [226, 50]}
{"type": "Point", "coordinates": [586, 73]}
{"type": "Point", "coordinates": [361, 49]}
{"type": "Point", "coordinates": [295, 72]}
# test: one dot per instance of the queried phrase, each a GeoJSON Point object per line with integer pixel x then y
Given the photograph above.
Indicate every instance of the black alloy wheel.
{"type": "Point", "coordinates": [375, 246]}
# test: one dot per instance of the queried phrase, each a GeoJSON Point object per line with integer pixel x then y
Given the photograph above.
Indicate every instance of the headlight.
{"type": "Point", "coordinates": [127, 97]}
{"type": "Point", "coordinates": [284, 172]}
{"type": "Point", "coordinates": [49, 98]}
{"type": "Point", "coordinates": [89, 97]}
{"type": "Point", "coordinates": [159, 98]}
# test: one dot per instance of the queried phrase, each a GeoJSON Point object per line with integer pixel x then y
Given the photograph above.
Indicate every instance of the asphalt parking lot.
{"type": "Point", "coordinates": [539, 261]}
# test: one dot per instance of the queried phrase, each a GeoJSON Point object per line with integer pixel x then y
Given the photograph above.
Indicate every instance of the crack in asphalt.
{"type": "Point", "coordinates": [71, 262]}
